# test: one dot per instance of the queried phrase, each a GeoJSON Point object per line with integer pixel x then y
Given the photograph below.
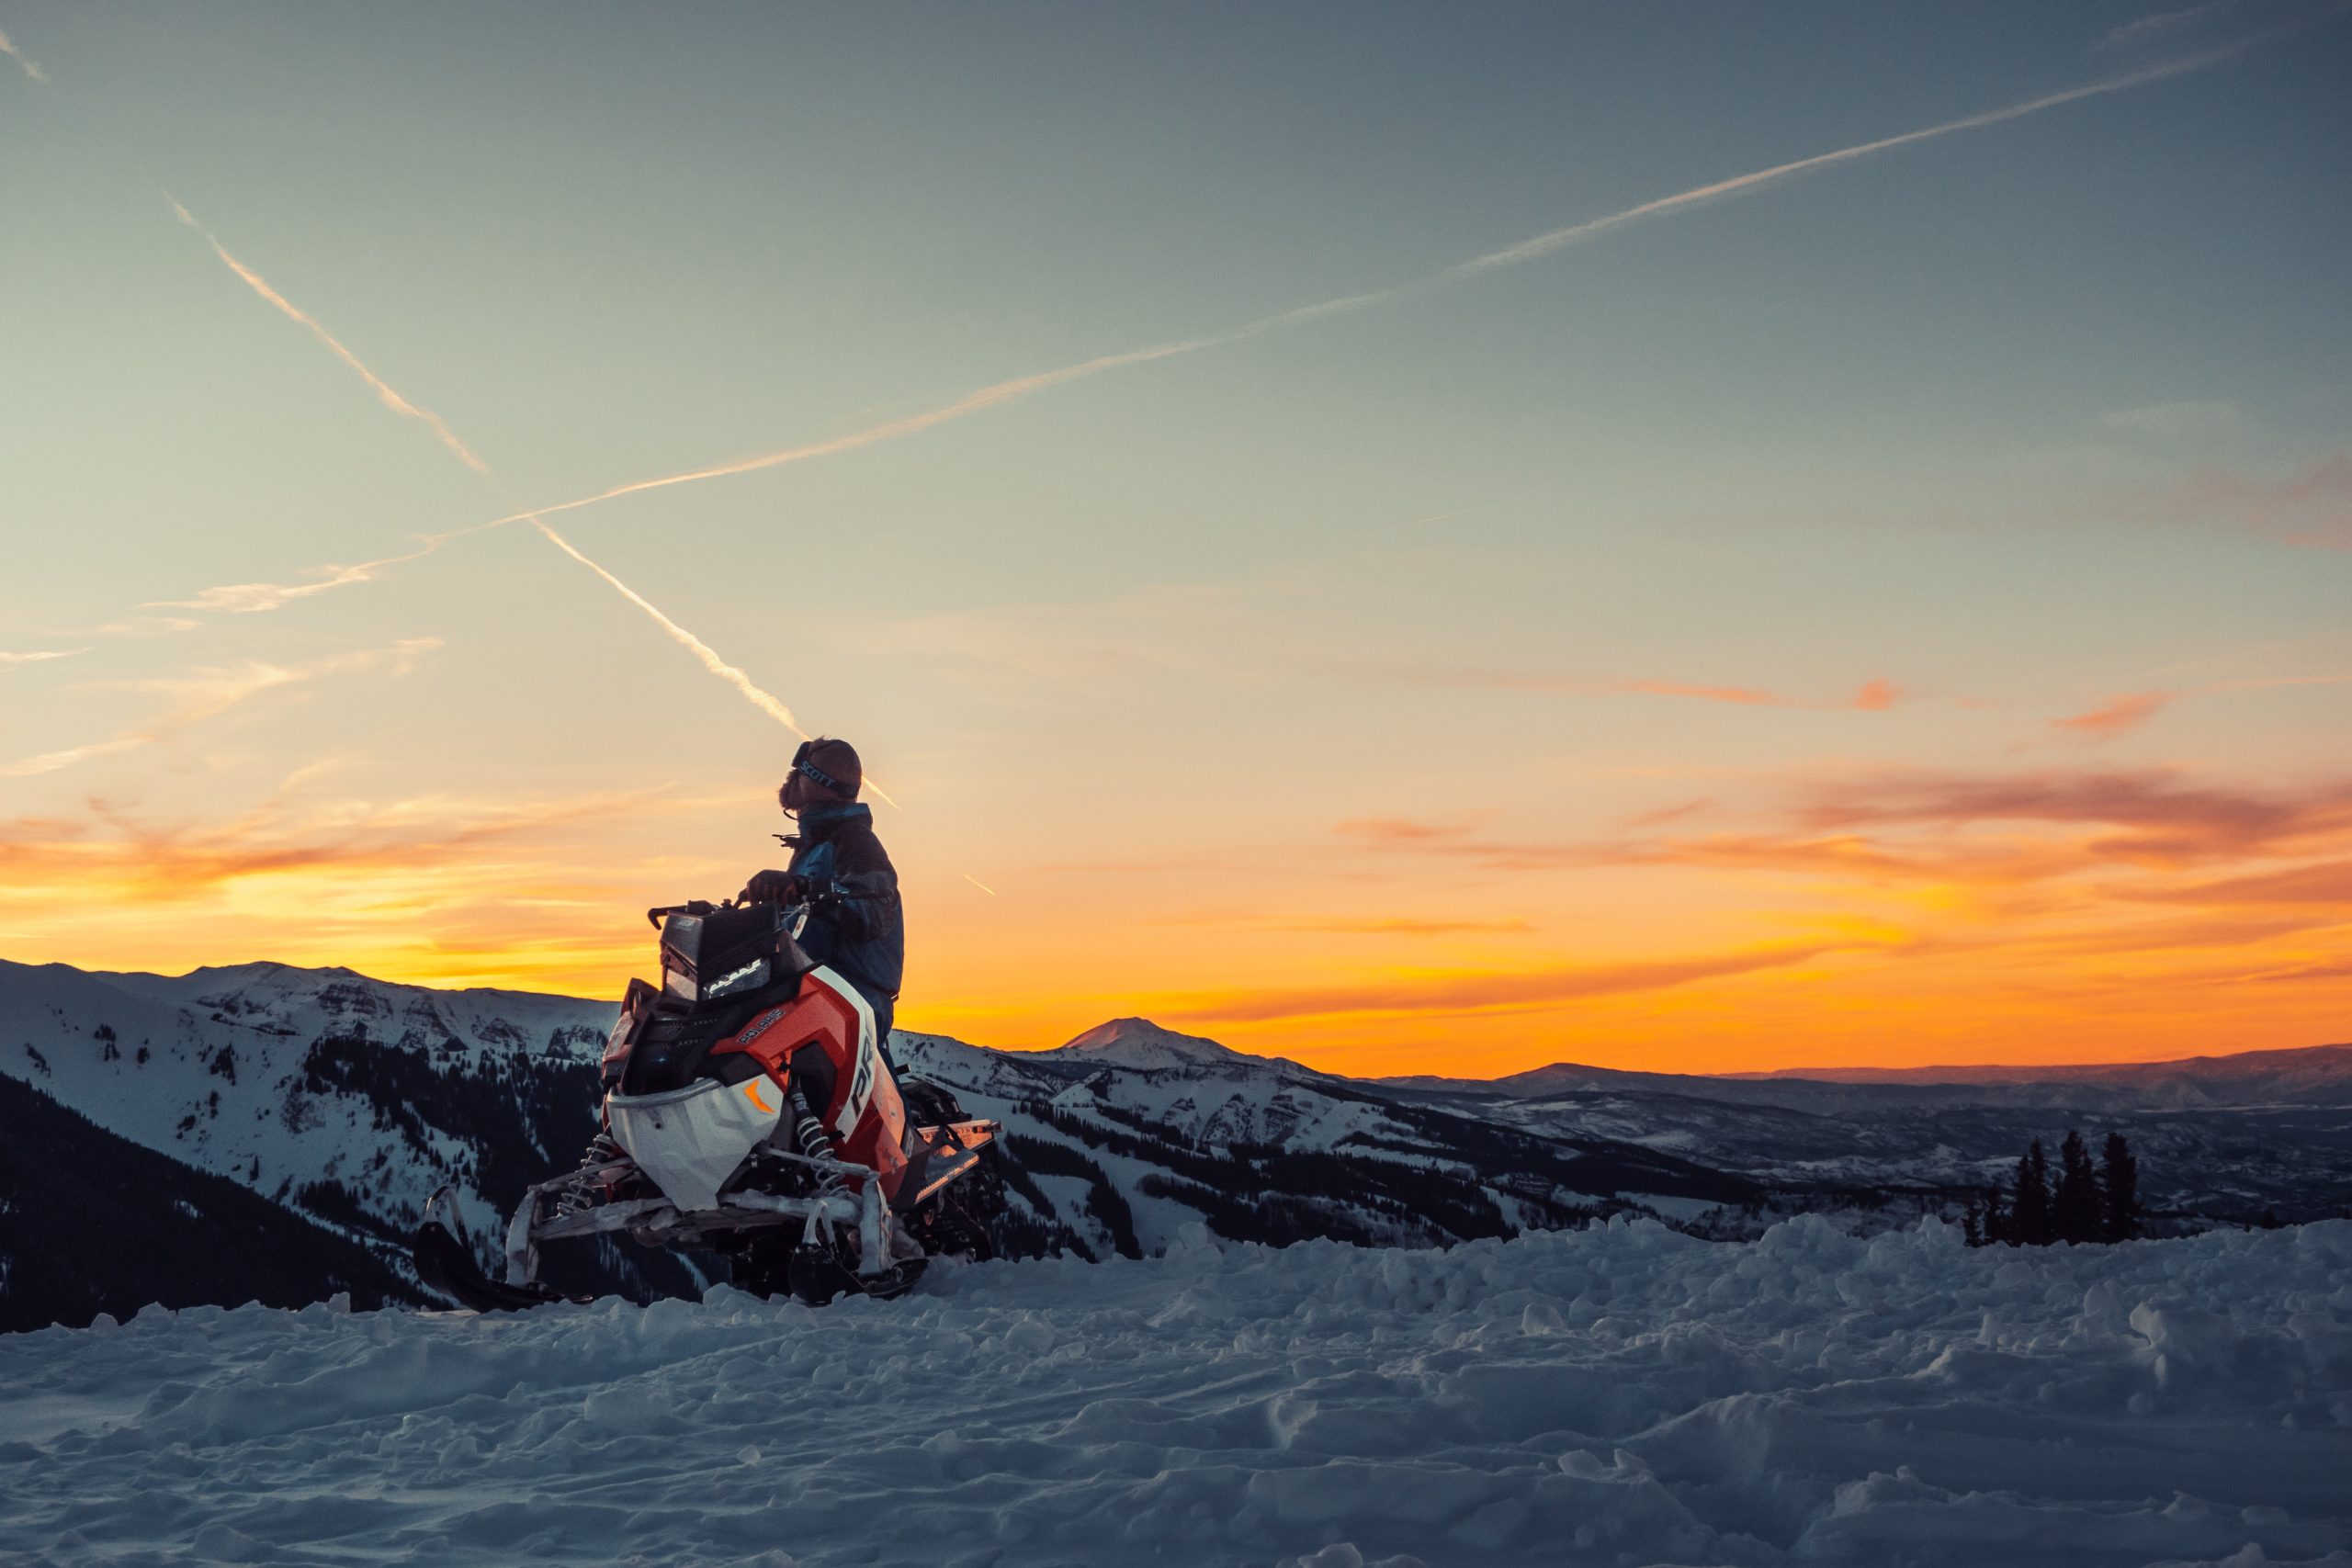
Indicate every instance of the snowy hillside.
{"type": "Point", "coordinates": [347, 1101]}
{"type": "Point", "coordinates": [1131, 1134]}
{"type": "Point", "coordinates": [1618, 1395]}
{"type": "Point", "coordinates": [2317, 1075]}
{"type": "Point", "coordinates": [261, 1072]}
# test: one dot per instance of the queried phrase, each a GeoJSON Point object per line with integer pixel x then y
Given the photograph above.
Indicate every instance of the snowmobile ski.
{"type": "Point", "coordinates": [445, 1262]}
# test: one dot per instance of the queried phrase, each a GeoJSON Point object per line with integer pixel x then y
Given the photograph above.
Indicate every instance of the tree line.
{"type": "Point", "coordinates": [2082, 1203]}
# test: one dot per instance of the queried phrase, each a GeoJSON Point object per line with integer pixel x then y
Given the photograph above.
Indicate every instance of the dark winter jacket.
{"type": "Point", "coordinates": [857, 926]}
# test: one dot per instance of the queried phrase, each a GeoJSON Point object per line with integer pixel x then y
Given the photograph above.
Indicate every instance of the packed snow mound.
{"type": "Point", "coordinates": [1619, 1396]}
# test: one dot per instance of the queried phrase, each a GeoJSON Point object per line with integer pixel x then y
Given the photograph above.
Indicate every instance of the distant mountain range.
{"type": "Point", "coordinates": [272, 1132]}
{"type": "Point", "coordinates": [2318, 1075]}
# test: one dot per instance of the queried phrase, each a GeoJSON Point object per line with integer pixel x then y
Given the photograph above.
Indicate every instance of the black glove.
{"type": "Point", "coordinates": [776, 888]}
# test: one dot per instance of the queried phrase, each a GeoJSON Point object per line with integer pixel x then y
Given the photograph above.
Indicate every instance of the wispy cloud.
{"type": "Point", "coordinates": [2177, 422]}
{"type": "Point", "coordinates": [1357, 925]}
{"type": "Point", "coordinates": [13, 53]}
{"type": "Point", "coordinates": [207, 694]}
{"type": "Point", "coordinates": [40, 655]}
{"type": "Point", "coordinates": [1875, 696]}
{"type": "Point", "coordinates": [437, 888]}
{"type": "Point", "coordinates": [2157, 816]}
{"type": "Point", "coordinates": [1403, 830]}
{"type": "Point", "coordinates": [2310, 506]}
{"type": "Point", "coordinates": [1460, 993]}
{"type": "Point", "coordinates": [179, 863]}
{"type": "Point", "coordinates": [2326, 969]}
{"type": "Point", "coordinates": [2329, 881]}
{"type": "Point", "coordinates": [2118, 716]}
{"type": "Point", "coordinates": [1927, 826]}
{"type": "Point", "coordinates": [257, 598]}
{"type": "Point", "coordinates": [2165, 26]}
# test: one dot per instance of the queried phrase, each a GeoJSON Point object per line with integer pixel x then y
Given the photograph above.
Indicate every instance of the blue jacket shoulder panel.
{"type": "Point", "coordinates": [859, 925]}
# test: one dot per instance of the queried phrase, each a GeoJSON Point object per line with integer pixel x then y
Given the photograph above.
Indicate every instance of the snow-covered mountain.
{"type": "Point", "coordinates": [2315, 1076]}
{"type": "Point", "coordinates": [2221, 1139]}
{"type": "Point", "coordinates": [1144, 1046]}
{"type": "Point", "coordinates": [346, 1101]}
{"type": "Point", "coordinates": [282, 1077]}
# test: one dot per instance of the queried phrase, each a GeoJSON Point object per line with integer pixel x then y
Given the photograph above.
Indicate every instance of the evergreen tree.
{"type": "Point", "coordinates": [1996, 1231]}
{"type": "Point", "coordinates": [2030, 1218]}
{"type": "Point", "coordinates": [2075, 1209]}
{"type": "Point", "coordinates": [2122, 1218]}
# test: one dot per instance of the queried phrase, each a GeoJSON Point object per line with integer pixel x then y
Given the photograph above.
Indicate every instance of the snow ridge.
{"type": "Point", "coordinates": [1618, 1394]}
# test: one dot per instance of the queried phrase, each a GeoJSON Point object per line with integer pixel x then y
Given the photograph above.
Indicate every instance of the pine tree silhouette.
{"type": "Point", "coordinates": [2075, 1208]}
{"type": "Point", "coordinates": [2121, 1216]}
{"type": "Point", "coordinates": [2030, 1217]}
{"type": "Point", "coordinates": [1995, 1228]}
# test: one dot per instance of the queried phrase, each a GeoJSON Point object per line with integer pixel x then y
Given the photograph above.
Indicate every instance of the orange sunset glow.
{"type": "Point", "coordinates": [1703, 582]}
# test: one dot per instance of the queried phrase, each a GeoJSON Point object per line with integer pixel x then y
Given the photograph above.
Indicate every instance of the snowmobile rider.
{"type": "Point", "coordinates": [856, 925]}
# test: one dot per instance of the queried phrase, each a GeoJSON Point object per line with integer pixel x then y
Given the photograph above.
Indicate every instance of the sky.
{"type": "Point", "coordinates": [1696, 537]}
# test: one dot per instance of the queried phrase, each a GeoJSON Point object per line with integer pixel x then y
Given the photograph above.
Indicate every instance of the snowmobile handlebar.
{"type": "Point", "coordinates": [705, 907]}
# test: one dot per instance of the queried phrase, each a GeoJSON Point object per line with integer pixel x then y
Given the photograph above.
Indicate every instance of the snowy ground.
{"type": "Point", "coordinates": [1624, 1396]}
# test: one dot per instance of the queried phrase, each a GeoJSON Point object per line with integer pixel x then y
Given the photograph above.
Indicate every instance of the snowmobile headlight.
{"type": "Point", "coordinates": [750, 977]}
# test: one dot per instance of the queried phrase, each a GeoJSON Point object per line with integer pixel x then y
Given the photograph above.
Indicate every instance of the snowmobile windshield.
{"type": "Point", "coordinates": [727, 953]}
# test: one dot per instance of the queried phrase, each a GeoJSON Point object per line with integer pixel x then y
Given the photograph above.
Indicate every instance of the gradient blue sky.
{"type": "Point", "coordinates": [2022, 420]}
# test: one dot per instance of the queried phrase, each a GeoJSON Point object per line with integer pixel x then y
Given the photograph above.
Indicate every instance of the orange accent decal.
{"type": "Point", "coordinates": [752, 1093]}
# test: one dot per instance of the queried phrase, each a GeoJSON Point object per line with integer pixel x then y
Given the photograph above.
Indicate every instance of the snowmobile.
{"type": "Point", "coordinates": [744, 1096]}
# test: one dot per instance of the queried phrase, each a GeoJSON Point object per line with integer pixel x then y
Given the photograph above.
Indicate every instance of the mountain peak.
{"type": "Point", "coordinates": [1140, 1044]}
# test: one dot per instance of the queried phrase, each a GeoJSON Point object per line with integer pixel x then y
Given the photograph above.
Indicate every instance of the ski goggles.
{"type": "Point", "coordinates": [802, 766]}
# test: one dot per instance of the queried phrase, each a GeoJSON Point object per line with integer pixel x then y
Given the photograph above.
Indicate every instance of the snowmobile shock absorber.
{"type": "Point", "coordinates": [577, 1194]}
{"type": "Point", "coordinates": [810, 1134]}
{"type": "Point", "coordinates": [816, 1235]}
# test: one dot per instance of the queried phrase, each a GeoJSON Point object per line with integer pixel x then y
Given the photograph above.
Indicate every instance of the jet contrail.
{"type": "Point", "coordinates": [13, 53]}
{"type": "Point", "coordinates": [684, 639]}
{"type": "Point", "coordinates": [254, 598]}
{"type": "Point", "coordinates": [206, 694]}
{"type": "Point", "coordinates": [970, 403]}
{"type": "Point", "coordinates": [1546, 243]}
{"type": "Point", "coordinates": [1524, 251]}
{"type": "Point", "coordinates": [391, 400]}
{"type": "Point", "coordinates": [269, 596]}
